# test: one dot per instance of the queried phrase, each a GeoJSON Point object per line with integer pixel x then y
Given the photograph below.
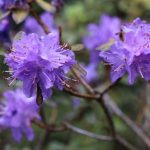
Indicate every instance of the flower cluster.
{"type": "Point", "coordinates": [100, 34]}
{"type": "Point", "coordinates": [40, 60]}
{"type": "Point", "coordinates": [131, 53]}
{"type": "Point", "coordinates": [17, 112]}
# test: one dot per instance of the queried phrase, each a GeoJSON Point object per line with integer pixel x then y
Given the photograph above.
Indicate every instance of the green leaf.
{"type": "Point", "coordinates": [19, 15]}
{"type": "Point", "coordinates": [106, 46]}
{"type": "Point", "coordinates": [77, 47]}
{"type": "Point", "coordinates": [46, 6]}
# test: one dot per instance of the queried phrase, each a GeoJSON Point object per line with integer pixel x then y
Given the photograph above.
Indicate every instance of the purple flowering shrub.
{"type": "Point", "coordinates": [42, 65]}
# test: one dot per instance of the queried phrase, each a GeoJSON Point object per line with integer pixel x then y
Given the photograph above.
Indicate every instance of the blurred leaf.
{"type": "Point", "coordinates": [19, 15]}
{"type": "Point", "coordinates": [106, 46]}
{"type": "Point", "coordinates": [79, 70]}
{"type": "Point", "coordinates": [77, 47]}
{"type": "Point", "coordinates": [76, 14]}
{"type": "Point", "coordinates": [45, 5]}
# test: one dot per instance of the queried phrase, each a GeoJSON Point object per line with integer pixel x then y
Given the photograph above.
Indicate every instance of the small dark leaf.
{"type": "Point", "coordinates": [77, 47]}
{"type": "Point", "coordinates": [39, 97]}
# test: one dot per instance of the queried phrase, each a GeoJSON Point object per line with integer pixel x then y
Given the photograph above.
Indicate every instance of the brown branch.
{"type": "Point", "coordinates": [137, 130]}
{"type": "Point", "coordinates": [83, 82]}
{"type": "Point", "coordinates": [38, 19]}
{"type": "Point", "coordinates": [110, 86]}
{"type": "Point", "coordinates": [108, 116]}
{"type": "Point", "coordinates": [99, 100]}
{"type": "Point", "coordinates": [87, 133]}
{"type": "Point", "coordinates": [48, 127]}
{"type": "Point", "coordinates": [116, 110]}
{"type": "Point", "coordinates": [67, 126]}
{"type": "Point", "coordinates": [77, 94]}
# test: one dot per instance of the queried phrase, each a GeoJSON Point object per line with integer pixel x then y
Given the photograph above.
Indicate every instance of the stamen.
{"type": "Point", "coordinates": [140, 72]}
{"type": "Point", "coordinates": [12, 81]}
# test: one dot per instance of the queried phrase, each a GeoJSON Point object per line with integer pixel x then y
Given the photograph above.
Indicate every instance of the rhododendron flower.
{"type": "Point", "coordinates": [131, 53]}
{"type": "Point", "coordinates": [100, 34]}
{"type": "Point", "coordinates": [17, 111]}
{"type": "Point", "coordinates": [40, 60]}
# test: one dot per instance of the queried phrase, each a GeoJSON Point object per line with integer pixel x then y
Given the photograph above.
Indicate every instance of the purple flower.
{"type": "Point", "coordinates": [100, 34]}
{"type": "Point", "coordinates": [40, 60]}
{"type": "Point", "coordinates": [1, 3]}
{"type": "Point", "coordinates": [4, 31]}
{"type": "Point", "coordinates": [117, 58]}
{"type": "Point", "coordinates": [131, 53]}
{"type": "Point", "coordinates": [32, 26]}
{"type": "Point", "coordinates": [14, 4]}
{"type": "Point", "coordinates": [76, 103]}
{"type": "Point", "coordinates": [91, 70]}
{"type": "Point", "coordinates": [17, 112]}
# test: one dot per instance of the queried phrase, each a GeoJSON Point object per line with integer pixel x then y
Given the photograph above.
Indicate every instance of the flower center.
{"type": "Point", "coordinates": [14, 112]}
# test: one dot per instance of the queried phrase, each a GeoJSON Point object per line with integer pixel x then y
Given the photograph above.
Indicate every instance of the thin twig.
{"type": "Point", "coordinates": [48, 127]}
{"type": "Point", "coordinates": [100, 101]}
{"type": "Point", "coordinates": [87, 133]}
{"type": "Point", "coordinates": [67, 126]}
{"type": "Point", "coordinates": [108, 116]}
{"type": "Point", "coordinates": [83, 82]}
{"type": "Point", "coordinates": [116, 110]}
{"type": "Point", "coordinates": [128, 121]}
{"type": "Point", "coordinates": [110, 86]}
{"type": "Point", "coordinates": [125, 143]}
{"type": "Point", "coordinates": [85, 96]}
{"type": "Point", "coordinates": [38, 19]}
